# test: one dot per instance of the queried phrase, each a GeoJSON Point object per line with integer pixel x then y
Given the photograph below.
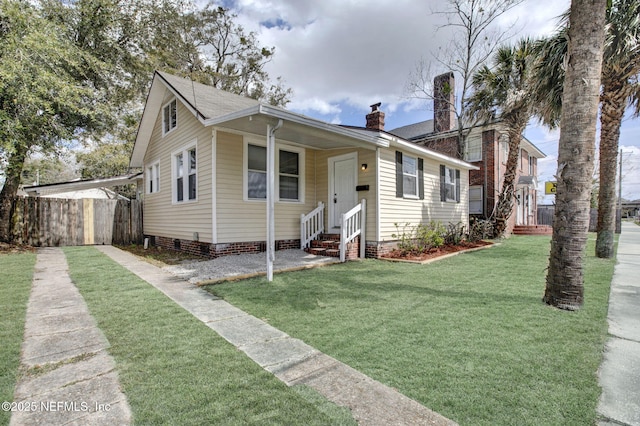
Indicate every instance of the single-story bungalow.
{"type": "Point", "coordinates": [226, 174]}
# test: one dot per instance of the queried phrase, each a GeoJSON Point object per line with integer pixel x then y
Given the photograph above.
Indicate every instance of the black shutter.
{"type": "Point", "coordinates": [443, 187]}
{"type": "Point", "coordinates": [457, 186]}
{"type": "Point", "coordinates": [399, 191]}
{"type": "Point", "coordinates": [421, 178]}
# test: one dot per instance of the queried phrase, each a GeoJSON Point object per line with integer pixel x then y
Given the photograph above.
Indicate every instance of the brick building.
{"type": "Point", "coordinates": [487, 148]}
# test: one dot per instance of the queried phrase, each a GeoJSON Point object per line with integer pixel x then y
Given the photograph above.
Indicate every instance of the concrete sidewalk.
{"type": "Point", "coordinates": [68, 378]}
{"type": "Point", "coordinates": [619, 373]}
{"type": "Point", "coordinates": [289, 359]}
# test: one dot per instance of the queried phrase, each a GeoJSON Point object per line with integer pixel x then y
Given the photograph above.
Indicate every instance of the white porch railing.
{"type": "Point", "coordinates": [353, 224]}
{"type": "Point", "coordinates": [311, 225]}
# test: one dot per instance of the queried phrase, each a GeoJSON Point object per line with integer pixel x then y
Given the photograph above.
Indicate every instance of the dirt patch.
{"type": "Point", "coordinates": [436, 252]}
{"type": "Point", "coordinates": [15, 248]}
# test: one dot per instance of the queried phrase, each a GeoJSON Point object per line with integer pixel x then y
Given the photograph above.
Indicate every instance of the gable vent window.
{"type": "Point", "coordinates": [169, 117]}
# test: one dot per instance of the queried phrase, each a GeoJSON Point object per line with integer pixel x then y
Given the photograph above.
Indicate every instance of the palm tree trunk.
{"type": "Point", "coordinates": [564, 282]}
{"type": "Point", "coordinates": [613, 106]}
{"type": "Point", "coordinates": [504, 206]}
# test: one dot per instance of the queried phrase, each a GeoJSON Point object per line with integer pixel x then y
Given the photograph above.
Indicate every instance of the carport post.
{"type": "Point", "coordinates": [271, 184]}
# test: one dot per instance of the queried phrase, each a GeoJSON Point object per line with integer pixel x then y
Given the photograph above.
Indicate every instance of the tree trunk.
{"type": "Point", "coordinates": [613, 106]}
{"type": "Point", "coordinates": [10, 189]}
{"type": "Point", "coordinates": [504, 207]}
{"type": "Point", "coordinates": [576, 148]}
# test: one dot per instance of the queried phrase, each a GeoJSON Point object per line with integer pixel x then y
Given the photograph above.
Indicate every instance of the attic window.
{"type": "Point", "coordinates": [169, 117]}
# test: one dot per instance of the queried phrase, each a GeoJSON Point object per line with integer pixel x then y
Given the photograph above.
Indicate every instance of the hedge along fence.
{"type": "Point", "coordinates": [48, 222]}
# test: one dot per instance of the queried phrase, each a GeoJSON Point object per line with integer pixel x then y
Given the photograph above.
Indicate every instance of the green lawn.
{"type": "Point", "coordinates": [15, 286]}
{"type": "Point", "coordinates": [173, 368]}
{"type": "Point", "coordinates": [466, 336]}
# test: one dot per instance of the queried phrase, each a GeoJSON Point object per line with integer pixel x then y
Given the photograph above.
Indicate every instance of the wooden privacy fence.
{"type": "Point", "coordinates": [47, 222]}
{"type": "Point", "coordinates": [545, 217]}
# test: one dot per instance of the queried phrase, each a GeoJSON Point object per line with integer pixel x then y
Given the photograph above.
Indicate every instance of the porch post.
{"type": "Point", "coordinates": [271, 179]}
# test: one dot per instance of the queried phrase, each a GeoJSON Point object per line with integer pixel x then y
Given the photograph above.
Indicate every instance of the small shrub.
{"type": "Point", "coordinates": [420, 238]}
{"type": "Point", "coordinates": [455, 234]}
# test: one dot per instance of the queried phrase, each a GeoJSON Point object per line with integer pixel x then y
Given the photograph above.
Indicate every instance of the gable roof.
{"type": "Point", "coordinates": [215, 107]}
{"type": "Point", "coordinates": [203, 100]}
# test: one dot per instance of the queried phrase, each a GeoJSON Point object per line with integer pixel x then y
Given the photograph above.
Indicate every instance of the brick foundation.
{"type": "Point", "coordinates": [222, 249]}
{"type": "Point", "coordinates": [373, 249]}
{"type": "Point", "coordinates": [377, 249]}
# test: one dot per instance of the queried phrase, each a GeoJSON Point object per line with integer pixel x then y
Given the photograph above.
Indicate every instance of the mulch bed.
{"type": "Point", "coordinates": [436, 252]}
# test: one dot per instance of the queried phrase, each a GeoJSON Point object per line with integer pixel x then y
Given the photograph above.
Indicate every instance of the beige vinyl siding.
{"type": "Point", "coordinates": [401, 210]}
{"type": "Point", "coordinates": [240, 220]}
{"type": "Point", "coordinates": [179, 220]}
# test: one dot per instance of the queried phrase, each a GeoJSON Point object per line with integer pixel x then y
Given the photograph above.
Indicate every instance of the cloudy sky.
{"type": "Point", "coordinates": [340, 56]}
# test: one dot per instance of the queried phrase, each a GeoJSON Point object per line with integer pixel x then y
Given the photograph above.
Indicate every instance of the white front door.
{"type": "Point", "coordinates": [342, 187]}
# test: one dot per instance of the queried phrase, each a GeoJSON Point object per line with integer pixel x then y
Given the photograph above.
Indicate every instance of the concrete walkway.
{"type": "Point", "coordinates": [619, 373]}
{"type": "Point", "coordinates": [68, 376]}
{"type": "Point", "coordinates": [289, 359]}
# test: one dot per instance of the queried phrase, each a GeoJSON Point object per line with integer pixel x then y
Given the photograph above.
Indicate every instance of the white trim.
{"type": "Point", "coordinates": [330, 166]}
{"type": "Point", "coordinates": [184, 150]}
{"type": "Point", "coordinates": [378, 201]}
{"type": "Point", "coordinates": [214, 188]}
{"type": "Point", "coordinates": [249, 140]}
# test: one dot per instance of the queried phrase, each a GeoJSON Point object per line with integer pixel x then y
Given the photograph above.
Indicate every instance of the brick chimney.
{"type": "Point", "coordinates": [375, 119]}
{"type": "Point", "coordinates": [444, 114]}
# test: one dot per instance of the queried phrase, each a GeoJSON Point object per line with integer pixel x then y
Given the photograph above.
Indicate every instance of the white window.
{"type": "Point", "coordinates": [409, 176]}
{"type": "Point", "coordinates": [185, 175]}
{"type": "Point", "coordinates": [153, 178]}
{"type": "Point", "coordinates": [532, 164]}
{"type": "Point", "coordinates": [473, 149]}
{"type": "Point", "coordinates": [256, 172]}
{"type": "Point", "coordinates": [449, 184]}
{"type": "Point", "coordinates": [169, 117]}
{"type": "Point", "coordinates": [475, 200]}
{"type": "Point", "coordinates": [289, 177]}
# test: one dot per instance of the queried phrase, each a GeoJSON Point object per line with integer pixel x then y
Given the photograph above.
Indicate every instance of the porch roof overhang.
{"type": "Point", "coordinates": [527, 182]}
{"type": "Point", "coordinates": [296, 128]}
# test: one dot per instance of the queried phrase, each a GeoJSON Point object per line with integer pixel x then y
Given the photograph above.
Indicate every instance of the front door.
{"type": "Point", "coordinates": [342, 187]}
